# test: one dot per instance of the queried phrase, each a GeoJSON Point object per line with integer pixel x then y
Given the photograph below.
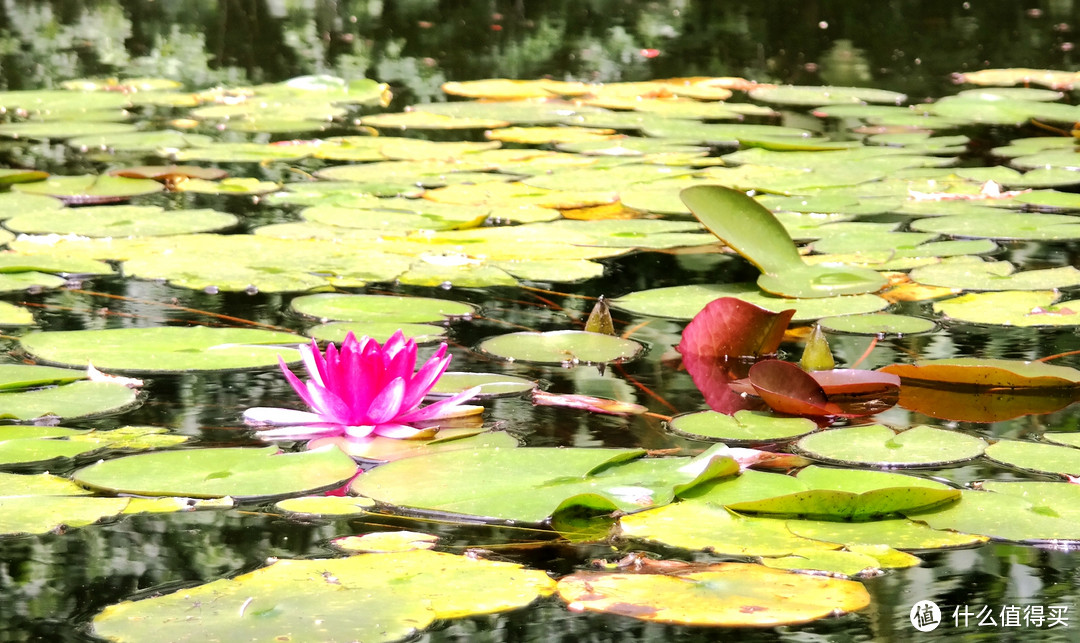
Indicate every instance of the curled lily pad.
{"type": "Point", "coordinates": [218, 472]}
{"type": "Point", "coordinates": [561, 347]}
{"type": "Point", "coordinates": [878, 445]}
{"type": "Point", "coordinates": [164, 349]}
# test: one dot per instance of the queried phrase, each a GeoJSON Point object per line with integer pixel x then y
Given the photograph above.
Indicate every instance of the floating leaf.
{"type": "Point", "coordinates": [878, 324]}
{"type": "Point", "coordinates": [379, 331]}
{"type": "Point", "coordinates": [878, 445]}
{"type": "Point", "coordinates": [1021, 308]}
{"type": "Point", "coordinates": [163, 349]}
{"type": "Point", "coordinates": [369, 597]}
{"type": "Point", "coordinates": [218, 472]}
{"type": "Point", "coordinates": [828, 95]}
{"type": "Point", "coordinates": [68, 401]}
{"type": "Point", "coordinates": [847, 392]}
{"type": "Point", "coordinates": [382, 542]}
{"type": "Point", "coordinates": [987, 373]}
{"type": "Point", "coordinates": [899, 533]}
{"type": "Point", "coordinates": [1033, 456]}
{"type": "Point", "coordinates": [119, 221]}
{"type": "Point", "coordinates": [532, 484]}
{"type": "Point", "coordinates": [561, 347]}
{"type": "Point", "coordinates": [39, 515]}
{"type": "Point", "coordinates": [743, 426]}
{"type": "Point", "coordinates": [725, 594]}
{"type": "Point", "coordinates": [981, 404]}
{"type": "Point", "coordinates": [1000, 516]}
{"type": "Point", "coordinates": [382, 449]}
{"type": "Point", "coordinates": [90, 188]}
{"type": "Point", "coordinates": [380, 308]}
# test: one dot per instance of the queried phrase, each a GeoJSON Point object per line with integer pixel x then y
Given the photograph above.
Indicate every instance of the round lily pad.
{"type": "Point", "coordinates": [164, 349]}
{"type": "Point", "coordinates": [68, 401]}
{"type": "Point", "coordinates": [725, 594]}
{"type": "Point", "coordinates": [215, 473]}
{"type": "Point", "coordinates": [90, 188]}
{"type": "Point", "coordinates": [12, 315]}
{"type": "Point", "coordinates": [1034, 456]}
{"type": "Point", "coordinates": [491, 385]}
{"type": "Point", "coordinates": [561, 347]}
{"type": "Point", "coordinates": [811, 95]}
{"type": "Point", "coordinates": [1067, 439]}
{"type": "Point", "coordinates": [899, 533]}
{"type": "Point", "coordinates": [1020, 308]}
{"type": "Point", "coordinates": [379, 331]}
{"type": "Point", "coordinates": [877, 445]}
{"type": "Point", "coordinates": [119, 221]}
{"type": "Point", "coordinates": [380, 308]}
{"type": "Point", "coordinates": [743, 426]}
{"type": "Point", "coordinates": [878, 324]}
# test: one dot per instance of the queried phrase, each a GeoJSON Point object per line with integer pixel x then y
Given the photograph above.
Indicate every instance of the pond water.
{"type": "Point", "coordinates": [53, 584]}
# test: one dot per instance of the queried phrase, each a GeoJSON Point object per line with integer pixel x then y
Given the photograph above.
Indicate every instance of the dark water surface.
{"type": "Point", "coordinates": [50, 586]}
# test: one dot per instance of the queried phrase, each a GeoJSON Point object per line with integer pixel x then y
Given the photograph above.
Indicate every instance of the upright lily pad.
{"type": "Point", "coordinates": [218, 472]}
{"type": "Point", "coordinates": [164, 349]}
{"type": "Point", "coordinates": [561, 347]}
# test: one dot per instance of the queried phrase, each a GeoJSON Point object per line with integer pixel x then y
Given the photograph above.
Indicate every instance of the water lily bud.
{"type": "Point", "coordinates": [600, 319]}
{"type": "Point", "coordinates": [817, 356]}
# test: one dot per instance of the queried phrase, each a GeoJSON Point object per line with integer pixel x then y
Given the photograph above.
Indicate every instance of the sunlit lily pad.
{"type": "Point", "coordinates": [810, 95]}
{"type": "Point", "coordinates": [38, 515]}
{"type": "Point", "coordinates": [427, 120]}
{"type": "Point", "coordinates": [382, 449]}
{"type": "Point", "coordinates": [897, 532]}
{"type": "Point", "coordinates": [380, 308]}
{"type": "Point", "coordinates": [12, 315]}
{"type": "Point", "coordinates": [218, 472]}
{"type": "Point", "coordinates": [532, 484]}
{"type": "Point", "coordinates": [988, 373]}
{"type": "Point", "coordinates": [1067, 439]}
{"type": "Point", "coordinates": [156, 141]}
{"type": "Point", "coordinates": [90, 188]}
{"type": "Point", "coordinates": [1020, 308]}
{"type": "Point", "coordinates": [505, 89]}
{"type": "Point", "coordinates": [236, 186]}
{"type": "Point", "coordinates": [63, 129]}
{"type": "Point", "coordinates": [1007, 226]}
{"type": "Point", "coordinates": [971, 273]}
{"type": "Point", "coordinates": [1034, 456]}
{"type": "Point", "coordinates": [561, 347]}
{"type": "Point", "coordinates": [491, 384]}
{"type": "Point", "coordinates": [683, 302]}
{"type": "Point", "coordinates": [725, 594]}
{"type": "Point", "coordinates": [164, 349]}
{"type": "Point", "coordinates": [878, 324]}
{"type": "Point", "coordinates": [119, 221]}
{"type": "Point", "coordinates": [381, 542]}
{"type": "Point", "coordinates": [743, 426]}
{"type": "Point", "coordinates": [379, 331]}
{"type": "Point", "coordinates": [1002, 516]}
{"type": "Point", "coordinates": [368, 597]}
{"type": "Point", "coordinates": [878, 445]}
{"type": "Point", "coordinates": [75, 400]}
{"type": "Point", "coordinates": [306, 506]}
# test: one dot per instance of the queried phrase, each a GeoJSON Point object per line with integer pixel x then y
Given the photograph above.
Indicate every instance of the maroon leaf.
{"type": "Point", "coordinates": [786, 388]}
{"type": "Point", "coordinates": [732, 328]}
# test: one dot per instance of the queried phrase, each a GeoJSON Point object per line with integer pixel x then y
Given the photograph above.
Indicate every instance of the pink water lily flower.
{"type": "Point", "coordinates": [362, 389]}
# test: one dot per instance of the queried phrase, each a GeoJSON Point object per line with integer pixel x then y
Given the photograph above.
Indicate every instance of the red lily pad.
{"type": "Point", "coordinates": [730, 327]}
{"type": "Point", "coordinates": [843, 392]}
{"type": "Point", "coordinates": [714, 376]}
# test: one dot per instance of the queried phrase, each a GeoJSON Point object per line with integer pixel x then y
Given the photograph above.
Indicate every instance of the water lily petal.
{"type": "Point", "coordinates": [425, 378]}
{"type": "Point", "coordinates": [295, 383]}
{"type": "Point", "coordinates": [301, 432]}
{"type": "Point", "coordinates": [397, 431]}
{"type": "Point", "coordinates": [359, 431]}
{"type": "Point", "coordinates": [387, 404]}
{"type": "Point", "coordinates": [272, 416]}
{"type": "Point", "coordinates": [441, 409]}
{"type": "Point", "coordinates": [314, 362]}
{"type": "Point", "coordinates": [327, 404]}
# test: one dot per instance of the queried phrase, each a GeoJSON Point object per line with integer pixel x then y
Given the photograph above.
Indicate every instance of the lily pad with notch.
{"type": "Point", "coordinates": [561, 347]}
{"type": "Point", "coordinates": [743, 427]}
{"type": "Point", "coordinates": [878, 445]}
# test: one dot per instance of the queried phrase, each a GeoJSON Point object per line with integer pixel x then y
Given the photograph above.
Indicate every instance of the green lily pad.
{"type": "Point", "coordinates": [900, 533]}
{"type": "Point", "coordinates": [218, 472]}
{"type": "Point", "coordinates": [683, 302]}
{"type": "Point", "coordinates": [90, 188]}
{"type": "Point", "coordinates": [67, 401]}
{"type": "Point", "coordinates": [25, 451]}
{"type": "Point", "coordinates": [308, 506]}
{"type": "Point", "coordinates": [878, 445]}
{"type": "Point", "coordinates": [752, 231]}
{"type": "Point", "coordinates": [12, 315]}
{"type": "Point", "coordinates": [829, 95]}
{"type": "Point", "coordinates": [846, 505]}
{"type": "Point", "coordinates": [1034, 456]}
{"type": "Point", "coordinates": [1029, 226]}
{"type": "Point", "coordinates": [244, 152]}
{"type": "Point", "coordinates": [63, 129]}
{"type": "Point", "coordinates": [842, 563]}
{"type": "Point", "coordinates": [1067, 439]}
{"type": "Point", "coordinates": [162, 140]}
{"type": "Point", "coordinates": [971, 273]}
{"type": "Point", "coordinates": [119, 221]}
{"type": "Point", "coordinates": [41, 484]}
{"type": "Point", "coordinates": [742, 427]}
{"type": "Point", "coordinates": [19, 281]}
{"type": "Point", "coordinates": [982, 512]}
{"type": "Point", "coordinates": [532, 484]}
{"type": "Point", "coordinates": [42, 514]}
{"type": "Point", "coordinates": [879, 324]}
{"type": "Point", "coordinates": [367, 597]}
{"type": "Point", "coordinates": [389, 449]}
{"type": "Point", "coordinates": [491, 385]}
{"type": "Point", "coordinates": [726, 594]}
{"type": "Point", "coordinates": [164, 349]}
{"type": "Point", "coordinates": [20, 376]}
{"type": "Point", "coordinates": [1021, 308]}
{"type": "Point", "coordinates": [236, 186]}
{"type": "Point", "coordinates": [379, 331]}
{"type": "Point", "coordinates": [561, 347]}
{"type": "Point", "coordinates": [380, 308]}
